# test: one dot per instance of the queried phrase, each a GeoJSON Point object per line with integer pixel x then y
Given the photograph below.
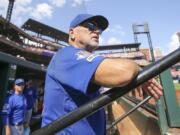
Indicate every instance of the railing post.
{"type": "Point", "coordinates": [172, 107]}
{"type": "Point", "coordinates": [163, 124]}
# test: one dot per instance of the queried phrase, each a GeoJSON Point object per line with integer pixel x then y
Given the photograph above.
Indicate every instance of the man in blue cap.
{"type": "Point", "coordinates": [14, 109]}
{"type": "Point", "coordinates": [75, 75]}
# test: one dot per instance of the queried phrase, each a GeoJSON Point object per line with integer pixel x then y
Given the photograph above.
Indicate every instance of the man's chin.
{"type": "Point", "coordinates": [95, 45]}
{"type": "Point", "coordinates": [92, 47]}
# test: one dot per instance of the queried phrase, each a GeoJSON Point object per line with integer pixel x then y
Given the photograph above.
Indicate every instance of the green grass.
{"type": "Point", "coordinates": [177, 86]}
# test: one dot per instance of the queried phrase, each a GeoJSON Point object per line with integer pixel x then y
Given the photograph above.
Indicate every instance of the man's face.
{"type": "Point", "coordinates": [87, 34]}
{"type": "Point", "coordinates": [19, 88]}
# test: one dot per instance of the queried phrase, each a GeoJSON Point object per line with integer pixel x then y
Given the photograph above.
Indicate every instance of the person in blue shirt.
{"type": "Point", "coordinates": [14, 109]}
{"type": "Point", "coordinates": [75, 75]}
{"type": "Point", "coordinates": [30, 94]}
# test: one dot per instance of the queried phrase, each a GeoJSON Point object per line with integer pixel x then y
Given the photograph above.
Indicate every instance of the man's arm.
{"type": "Point", "coordinates": [115, 72]}
{"type": "Point", "coordinates": [6, 114]}
{"type": "Point", "coordinates": [120, 72]}
{"type": "Point", "coordinates": [7, 130]}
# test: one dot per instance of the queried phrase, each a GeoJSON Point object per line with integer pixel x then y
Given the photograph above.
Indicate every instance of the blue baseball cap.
{"type": "Point", "coordinates": [101, 21]}
{"type": "Point", "coordinates": [19, 81]}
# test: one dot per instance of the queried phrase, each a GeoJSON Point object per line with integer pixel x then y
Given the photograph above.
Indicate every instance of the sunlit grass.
{"type": "Point", "coordinates": [177, 86]}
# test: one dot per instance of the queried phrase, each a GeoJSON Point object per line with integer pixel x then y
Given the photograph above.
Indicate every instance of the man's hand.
{"type": "Point", "coordinates": [153, 88]}
{"type": "Point", "coordinates": [7, 130]}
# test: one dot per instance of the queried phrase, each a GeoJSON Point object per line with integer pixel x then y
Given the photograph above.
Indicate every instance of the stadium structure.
{"type": "Point", "coordinates": [26, 52]}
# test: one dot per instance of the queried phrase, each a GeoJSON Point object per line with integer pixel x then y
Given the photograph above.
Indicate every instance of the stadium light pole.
{"type": "Point", "coordinates": [178, 34]}
{"type": "Point", "coordinates": [8, 16]}
{"type": "Point", "coordinates": [9, 10]}
{"type": "Point", "coordinates": [146, 31]}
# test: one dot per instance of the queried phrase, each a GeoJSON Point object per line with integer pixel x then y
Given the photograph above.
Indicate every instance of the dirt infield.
{"type": "Point", "coordinates": [178, 96]}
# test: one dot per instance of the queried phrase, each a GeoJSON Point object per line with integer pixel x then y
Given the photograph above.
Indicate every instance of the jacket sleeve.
{"type": "Point", "coordinates": [6, 111]}
{"type": "Point", "coordinates": [77, 73]}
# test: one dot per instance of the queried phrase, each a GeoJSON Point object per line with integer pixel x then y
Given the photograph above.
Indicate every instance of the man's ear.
{"type": "Point", "coordinates": [71, 34]}
{"type": "Point", "coordinates": [71, 31]}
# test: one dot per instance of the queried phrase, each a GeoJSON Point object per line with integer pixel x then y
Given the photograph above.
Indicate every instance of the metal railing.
{"type": "Point", "coordinates": [146, 106]}
{"type": "Point", "coordinates": [127, 113]}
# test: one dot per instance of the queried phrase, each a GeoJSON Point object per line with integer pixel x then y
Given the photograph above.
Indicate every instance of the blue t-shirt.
{"type": "Point", "coordinates": [68, 86]}
{"type": "Point", "coordinates": [30, 94]}
{"type": "Point", "coordinates": [14, 109]}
